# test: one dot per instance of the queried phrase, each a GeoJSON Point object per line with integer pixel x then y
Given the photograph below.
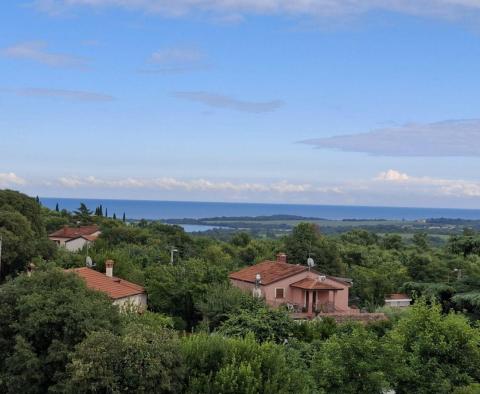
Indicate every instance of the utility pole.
{"type": "Point", "coordinates": [172, 251]}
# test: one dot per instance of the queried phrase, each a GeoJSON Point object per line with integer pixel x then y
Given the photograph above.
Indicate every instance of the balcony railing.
{"type": "Point", "coordinates": [324, 307]}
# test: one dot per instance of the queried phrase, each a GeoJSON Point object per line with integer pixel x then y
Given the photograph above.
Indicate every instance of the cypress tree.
{"type": "Point", "coordinates": [101, 210]}
{"type": "Point", "coordinates": [124, 218]}
{"type": "Point", "coordinates": [114, 216]}
{"type": "Point", "coordinates": [56, 208]}
{"type": "Point", "coordinates": [106, 212]}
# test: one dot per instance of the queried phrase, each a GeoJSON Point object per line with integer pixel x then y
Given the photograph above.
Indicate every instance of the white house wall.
{"type": "Point", "coordinates": [138, 301]}
{"type": "Point", "coordinates": [75, 244]}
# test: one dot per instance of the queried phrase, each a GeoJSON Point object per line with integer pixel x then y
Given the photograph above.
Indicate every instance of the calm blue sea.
{"type": "Point", "coordinates": [138, 209]}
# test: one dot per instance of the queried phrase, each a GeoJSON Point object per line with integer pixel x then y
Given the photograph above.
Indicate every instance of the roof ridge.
{"type": "Point", "coordinates": [115, 287]}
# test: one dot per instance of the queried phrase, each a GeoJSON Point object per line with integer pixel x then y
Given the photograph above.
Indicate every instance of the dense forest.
{"type": "Point", "coordinates": [200, 335]}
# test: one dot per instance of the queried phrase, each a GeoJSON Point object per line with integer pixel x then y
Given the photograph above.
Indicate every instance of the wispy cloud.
{"type": "Point", "coordinates": [37, 51]}
{"type": "Point", "coordinates": [77, 95]}
{"type": "Point", "coordinates": [8, 179]}
{"type": "Point", "coordinates": [386, 183]}
{"type": "Point", "coordinates": [316, 8]}
{"type": "Point", "coordinates": [221, 101]}
{"type": "Point", "coordinates": [391, 187]}
{"type": "Point", "coordinates": [177, 56]}
{"type": "Point", "coordinates": [169, 183]}
{"type": "Point", "coordinates": [448, 138]}
{"type": "Point", "coordinates": [175, 61]}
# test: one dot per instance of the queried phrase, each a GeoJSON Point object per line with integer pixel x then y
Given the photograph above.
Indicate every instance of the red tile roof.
{"type": "Point", "coordinates": [87, 237]}
{"type": "Point", "coordinates": [114, 287]}
{"type": "Point", "coordinates": [314, 284]}
{"type": "Point", "coordinates": [270, 271]}
{"type": "Point", "coordinates": [398, 296]}
{"type": "Point", "coordinates": [74, 232]}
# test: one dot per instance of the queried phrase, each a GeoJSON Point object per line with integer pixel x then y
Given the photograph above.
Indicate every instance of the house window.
{"type": "Point", "coordinates": [279, 292]}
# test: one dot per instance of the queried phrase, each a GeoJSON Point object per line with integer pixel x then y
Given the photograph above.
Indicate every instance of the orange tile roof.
{"type": "Point", "coordinates": [314, 284]}
{"type": "Point", "coordinates": [398, 296]}
{"type": "Point", "coordinates": [74, 232]}
{"type": "Point", "coordinates": [90, 237]}
{"type": "Point", "coordinates": [114, 287]}
{"type": "Point", "coordinates": [87, 237]}
{"type": "Point", "coordinates": [270, 271]}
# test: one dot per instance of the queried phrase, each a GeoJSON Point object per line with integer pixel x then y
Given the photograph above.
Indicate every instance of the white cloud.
{"type": "Point", "coordinates": [447, 138]}
{"type": "Point", "coordinates": [392, 176]}
{"type": "Point", "coordinates": [315, 8]}
{"type": "Point", "coordinates": [221, 101]}
{"type": "Point", "coordinates": [430, 185]}
{"type": "Point", "coordinates": [77, 95]}
{"type": "Point", "coordinates": [38, 51]}
{"type": "Point", "coordinates": [11, 179]}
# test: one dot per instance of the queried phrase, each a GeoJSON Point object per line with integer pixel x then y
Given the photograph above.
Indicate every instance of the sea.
{"type": "Point", "coordinates": [152, 210]}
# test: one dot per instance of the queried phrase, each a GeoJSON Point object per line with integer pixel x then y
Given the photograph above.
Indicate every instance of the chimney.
{"type": "Point", "coordinates": [109, 268]}
{"type": "Point", "coordinates": [281, 258]}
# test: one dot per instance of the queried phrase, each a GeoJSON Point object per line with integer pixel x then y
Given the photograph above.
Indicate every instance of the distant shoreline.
{"type": "Point", "coordinates": [168, 210]}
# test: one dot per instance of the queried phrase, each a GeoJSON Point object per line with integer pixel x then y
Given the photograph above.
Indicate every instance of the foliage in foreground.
{"type": "Point", "coordinates": [58, 336]}
{"type": "Point", "coordinates": [43, 318]}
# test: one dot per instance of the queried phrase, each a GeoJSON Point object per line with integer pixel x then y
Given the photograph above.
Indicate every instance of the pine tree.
{"type": "Point", "coordinates": [123, 219]}
{"type": "Point", "coordinates": [56, 208]}
{"type": "Point", "coordinates": [83, 213]}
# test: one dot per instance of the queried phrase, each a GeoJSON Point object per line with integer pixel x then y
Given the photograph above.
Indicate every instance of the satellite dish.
{"type": "Point", "coordinates": [310, 262]}
{"type": "Point", "coordinates": [88, 262]}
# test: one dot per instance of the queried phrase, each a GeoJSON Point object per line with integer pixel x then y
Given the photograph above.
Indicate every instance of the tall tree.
{"type": "Point", "coordinates": [83, 214]}
{"type": "Point", "coordinates": [23, 231]}
{"type": "Point", "coordinates": [306, 241]}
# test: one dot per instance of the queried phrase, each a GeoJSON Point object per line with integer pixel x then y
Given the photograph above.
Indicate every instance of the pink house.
{"type": "Point", "coordinates": [304, 291]}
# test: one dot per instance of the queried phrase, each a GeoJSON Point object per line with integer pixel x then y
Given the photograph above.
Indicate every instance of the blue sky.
{"type": "Point", "coordinates": [306, 101]}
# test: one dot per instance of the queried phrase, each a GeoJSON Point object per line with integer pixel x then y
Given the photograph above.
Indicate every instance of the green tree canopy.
{"type": "Point", "coordinates": [219, 365]}
{"type": "Point", "coordinates": [433, 353]}
{"type": "Point", "coordinates": [141, 360]}
{"type": "Point", "coordinates": [306, 241]}
{"type": "Point", "coordinates": [349, 363]}
{"type": "Point", "coordinates": [42, 318]}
